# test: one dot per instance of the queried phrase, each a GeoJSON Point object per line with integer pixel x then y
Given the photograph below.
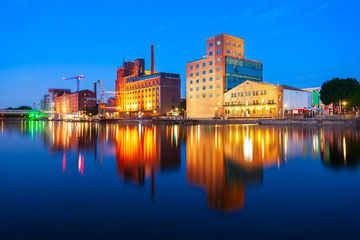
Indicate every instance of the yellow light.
{"type": "Point", "coordinates": [344, 103]}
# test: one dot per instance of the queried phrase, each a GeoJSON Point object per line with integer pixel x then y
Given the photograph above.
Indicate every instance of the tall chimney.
{"type": "Point", "coordinates": [152, 59]}
{"type": "Point", "coordinates": [95, 88]}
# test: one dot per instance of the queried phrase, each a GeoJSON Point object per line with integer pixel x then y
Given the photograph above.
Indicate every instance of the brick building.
{"type": "Point", "coordinates": [221, 69]}
{"type": "Point", "coordinates": [74, 103]}
{"type": "Point", "coordinates": [145, 92]}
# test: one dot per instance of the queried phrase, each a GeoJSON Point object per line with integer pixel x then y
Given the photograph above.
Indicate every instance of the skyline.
{"type": "Point", "coordinates": [93, 37]}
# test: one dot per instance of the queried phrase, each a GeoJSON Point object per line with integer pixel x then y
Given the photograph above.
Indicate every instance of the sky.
{"type": "Point", "coordinates": [302, 43]}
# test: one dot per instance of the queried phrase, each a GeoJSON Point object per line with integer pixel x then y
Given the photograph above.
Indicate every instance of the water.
{"type": "Point", "coordinates": [62, 180]}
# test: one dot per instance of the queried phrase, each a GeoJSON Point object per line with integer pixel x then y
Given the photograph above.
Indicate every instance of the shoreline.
{"type": "Point", "coordinates": [186, 122]}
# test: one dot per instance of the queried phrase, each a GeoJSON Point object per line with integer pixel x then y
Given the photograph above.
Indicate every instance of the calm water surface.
{"type": "Point", "coordinates": [62, 180]}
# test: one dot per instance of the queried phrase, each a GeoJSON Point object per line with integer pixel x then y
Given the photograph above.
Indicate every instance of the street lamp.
{"type": "Point", "coordinates": [344, 104]}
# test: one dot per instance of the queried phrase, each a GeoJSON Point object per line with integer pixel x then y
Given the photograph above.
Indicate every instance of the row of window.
{"type": "Point", "coordinates": [248, 102]}
{"type": "Point", "coordinates": [147, 84]}
{"type": "Point", "coordinates": [204, 72]}
{"type": "Point", "coordinates": [203, 64]}
{"type": "Point", "coordinates": [204, 80]}
{"type": "Point", "coordinates": [203, 95]}
{"type": "Point", "coordinates": [242, 111]}
{"type": "Point", "coordinates": [204, 87]}
{"type": "Point", "coordinates": [248, 93]}
{"type": "Point", "coordinates": [227, 43]}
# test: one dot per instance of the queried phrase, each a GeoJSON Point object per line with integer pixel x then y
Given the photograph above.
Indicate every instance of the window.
{"type": "Point", "coordinates": [249, 93]}
{"type": "Point", "coordinates": [227, 51]}
{"type": "Point", "coordinates": [233, 53]}
{"type": "Point", "coordinates": [191, 82]}
{"type": "Point", "coordinates": [210, 95]}
{"type": "Point", "coordinates": [239, 54]}
{"type": "Point", "coordinates": [191, 74]}
{"type": "Point", "coordinates": [242, 94]}
{"type": "Point", "coordinates": [234, 44]}
{"type": "Point", "coordinates": [218, 59]}
{"type": "Point", "coordinates": [218, 43]}
{"type": "Point", "coordinates": [204, 64]}
{"type": "Point", "coordinates": [204, 95]}
{"type": "Point", "coordinates": [197, 65]}
{"type": "Point", "coordinates": [210, 63]}
{"type": "Point", "coordinates": [253, 93]}
{"type": "Point", "coordinates": [264, 92]}
{"type": "Point", "coordinates": [191, 67]}
{"type": "Point", "coordinates": [191, 89]}
{"type": "Point", "coordinates": [218, 86]}
{"type": "Point", "coordinates": [204, 72]}
{"type": "Point", "coordinates": [197, 95]}
{"type": "Point", "coordinates": [197, 73]}
{"type": "Point", "coordinates": [204, 79]}
{"type": "Point", "coordinates": [210, 71]}
{"type": "Point", "coordinates": [217, 77]}
{"type": "Point", "coordinates": [211, 87]}
{"type": "Point", "coordinates": [210, 44]}
{"type": "Point", "coordinates": [210, 79]}
{"type": "Point", "coordinates": [204, 88]}
{"type": "Point", "coordinates": [218, 94]}
{"type": "Point", "coordinates": [227, 42]}
{"type": "Point", "coordinates": [218, 69]}
{"type": "Point", "coordinates": [239, 45]}
{"type": "Point", "coordinates": [191, 96]}
{"type": "Point", "coordinates": [197, 80]}
{"type": "Point", "coordinates": [257, 92]}
{"type": "Point", "coordinates": [218, 51]}
{"type": "Point", "coordinates": [210, 53]}
{"type": "Point", "coordinates": [197, 88]}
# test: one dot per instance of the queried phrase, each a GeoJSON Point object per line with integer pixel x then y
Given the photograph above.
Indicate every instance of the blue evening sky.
{"type": "Point", "coordinates": [302, 43]}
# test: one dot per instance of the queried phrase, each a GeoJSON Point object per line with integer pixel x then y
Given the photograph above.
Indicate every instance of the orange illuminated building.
{"type": "Point", "coordinates": [145, 92]}
{"type": "Point", "coordinates": [224, 160]}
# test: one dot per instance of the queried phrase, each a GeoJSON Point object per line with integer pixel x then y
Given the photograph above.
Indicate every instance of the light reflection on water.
{"type": "Point", "coordinates": [221, 160]}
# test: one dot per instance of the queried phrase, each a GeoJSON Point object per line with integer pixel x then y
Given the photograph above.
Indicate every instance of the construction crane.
{"type": "Point", "coordinates": [78, 80]}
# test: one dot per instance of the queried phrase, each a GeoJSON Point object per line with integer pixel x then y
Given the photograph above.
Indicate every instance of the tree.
{"type": "Point", "coordinates": [182, 106]}
{"type": "Point", "coordinates": [91, 111]}
{"type": "Point", "coordinates": [341, 89]}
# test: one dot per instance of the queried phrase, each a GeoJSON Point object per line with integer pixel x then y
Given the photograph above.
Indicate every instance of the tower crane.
{"type": "Point", "coordinates": [78, 80]}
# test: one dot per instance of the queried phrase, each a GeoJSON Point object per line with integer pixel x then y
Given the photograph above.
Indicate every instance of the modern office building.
{"type": "Point", "coordinates": [264, 100]}
{"type": "Point", "coordinates": [145, 92]}
{"type": "Point", "coordinates": [221, 69]}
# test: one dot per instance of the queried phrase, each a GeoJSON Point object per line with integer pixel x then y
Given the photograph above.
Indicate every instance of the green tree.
{"type": "Point", "coordinates": [341, 89]}
{"type": "Point", "coordinates": [91, 111]}
{"type": "Point", "coordinates": [182, 106]}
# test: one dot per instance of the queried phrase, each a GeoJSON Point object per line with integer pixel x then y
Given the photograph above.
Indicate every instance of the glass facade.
{"type": "Point", "coordinates": [241, 70]}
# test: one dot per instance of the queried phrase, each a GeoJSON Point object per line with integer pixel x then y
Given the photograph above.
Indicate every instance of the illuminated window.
{"type": "Point", "coordinates": [210, 95]}
{"type": "Point", "coordinates": [218, 59]}
{"type": "Point", "coordinates": [218, 94]}
{"type": "Point", "coordinates": [264, 92]}
{"type": "Point", "coordinates": [218, 43]}
{"type": "Point", "coordinates": [233, 53]}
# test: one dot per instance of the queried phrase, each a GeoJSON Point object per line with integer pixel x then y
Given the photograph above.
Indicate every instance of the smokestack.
{"type": "Point", "coordinates": [152, 59]}
{"type": "Point", "coordinates": [95, 88]}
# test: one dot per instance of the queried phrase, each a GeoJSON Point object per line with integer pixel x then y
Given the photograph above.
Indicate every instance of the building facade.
{"type": "Point", "coordinates": [264, 100]}
{"type": "Point", "coordinates": [145, 92]}
{"type": "Point", "coordinates": [221, 69]}
{"type": "Point", "coordinates": [74, 103]}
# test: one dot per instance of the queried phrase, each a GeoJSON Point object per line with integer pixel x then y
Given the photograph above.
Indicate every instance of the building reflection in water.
{"type": "Point", "coordinates": [223, 160]}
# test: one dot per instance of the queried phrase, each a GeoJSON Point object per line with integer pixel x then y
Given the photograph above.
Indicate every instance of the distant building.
{"type": "Point", "coordinates": [221, 69]}
{"type": "Point", "coordinates": [144, 92]}
{"type": "Point", "coordinates": [316, 101]}
{"type": "Point", "coordinates": [259, 99]}
{"type": "Point", "coordinates": [74, 102]}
